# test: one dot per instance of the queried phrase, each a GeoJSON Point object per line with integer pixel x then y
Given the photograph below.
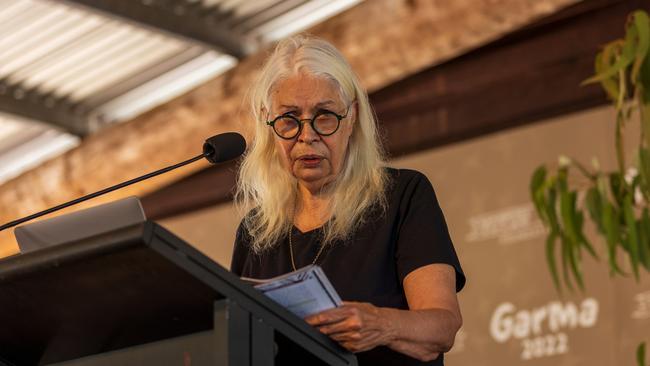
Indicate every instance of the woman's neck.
{"type": "Point", "coordinates": [312, 209]}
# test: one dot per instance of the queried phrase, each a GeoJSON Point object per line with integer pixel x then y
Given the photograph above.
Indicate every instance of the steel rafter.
{"type": "Point", "coordinates": [191, 21]}
{"type": "Point", "coordinates": [57, 111]}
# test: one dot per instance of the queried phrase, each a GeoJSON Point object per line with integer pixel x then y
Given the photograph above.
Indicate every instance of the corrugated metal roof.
{"type": "Point", "coordinates": [91, 69]}
{"type": "Point", "coordinates": [25, 144]}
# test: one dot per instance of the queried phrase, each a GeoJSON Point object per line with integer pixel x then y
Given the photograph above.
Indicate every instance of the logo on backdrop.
{"type": "Point", "coordinates": [507, 225]}
{"type": "Point", "coordinates": [542, 331]}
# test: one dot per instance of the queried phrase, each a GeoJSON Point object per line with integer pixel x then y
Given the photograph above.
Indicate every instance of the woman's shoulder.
{"type": "Point", "coordinates": [406, 185]}
{"type": "Point", "coordinates": [243, 234]}
{"type": "Point", "coordinates": [405, 177]}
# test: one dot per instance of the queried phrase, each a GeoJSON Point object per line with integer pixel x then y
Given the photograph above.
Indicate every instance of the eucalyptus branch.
{"type": "Point", "coordinates": [611, 198]}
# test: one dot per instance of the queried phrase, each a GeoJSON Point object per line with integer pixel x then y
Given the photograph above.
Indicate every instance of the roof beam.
{"type": "Point", "coordinates": [178, 18]}
{"type": "Point", "coordinates": [31, 104]}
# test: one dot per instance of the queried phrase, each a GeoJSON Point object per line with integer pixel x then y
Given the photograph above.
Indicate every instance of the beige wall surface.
{"type": "Point", "coordinates": [211, 230]}
{"type": "Point", "coordinates": [512, 314]}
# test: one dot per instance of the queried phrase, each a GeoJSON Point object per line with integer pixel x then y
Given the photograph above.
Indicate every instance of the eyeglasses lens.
{"type": "Point", "coordinates": [326, 123]}
{"type": "Point", "coordinates": [286, 127]}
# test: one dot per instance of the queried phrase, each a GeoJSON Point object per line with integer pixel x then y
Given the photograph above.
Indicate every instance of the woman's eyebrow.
{"type": "Point", "coordinates": [284, 106]}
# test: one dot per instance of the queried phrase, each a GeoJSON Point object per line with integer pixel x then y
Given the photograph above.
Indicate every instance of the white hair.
{"type": "Point", "coordinates": [268, 190]}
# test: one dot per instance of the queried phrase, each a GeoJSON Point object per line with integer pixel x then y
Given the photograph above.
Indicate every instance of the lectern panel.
{"type": "Point", "coordinates": [65, 306]}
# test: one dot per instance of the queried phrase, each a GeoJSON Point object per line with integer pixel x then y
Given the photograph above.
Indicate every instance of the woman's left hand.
{"type": "Point", "coordinates": [356, 326]}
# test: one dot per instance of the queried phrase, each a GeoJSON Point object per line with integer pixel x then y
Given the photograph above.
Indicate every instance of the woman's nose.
{"type": "Point", "coordinates": [307, 135]}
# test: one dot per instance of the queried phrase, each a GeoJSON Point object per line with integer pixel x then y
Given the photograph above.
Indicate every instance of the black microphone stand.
{"type": "Point", "coordinates": [104, 191]}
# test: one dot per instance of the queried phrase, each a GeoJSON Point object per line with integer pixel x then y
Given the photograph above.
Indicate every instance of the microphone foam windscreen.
{"type": "Point", "coordinates": [224, 147]}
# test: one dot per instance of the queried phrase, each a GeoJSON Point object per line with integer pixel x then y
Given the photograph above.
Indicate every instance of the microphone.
{"type": "Point", "coordinates": [217, 149]}
{"type": "Point", "coordinates": [224, 147]}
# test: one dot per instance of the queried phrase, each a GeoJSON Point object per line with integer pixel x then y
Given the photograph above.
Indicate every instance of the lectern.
{"type": "Point", "coordinates": [139, 295]}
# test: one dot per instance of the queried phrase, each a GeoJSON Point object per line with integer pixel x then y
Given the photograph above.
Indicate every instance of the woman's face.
{"type": "Point", "coordinates": [313, 159]}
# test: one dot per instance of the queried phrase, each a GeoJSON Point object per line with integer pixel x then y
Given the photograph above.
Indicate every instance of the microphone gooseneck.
{"type": "Point", "coordinates": [216, 149]}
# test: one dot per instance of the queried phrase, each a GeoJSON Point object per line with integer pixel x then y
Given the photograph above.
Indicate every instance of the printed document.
{"type": "Point", "coordinates": [304, 292]}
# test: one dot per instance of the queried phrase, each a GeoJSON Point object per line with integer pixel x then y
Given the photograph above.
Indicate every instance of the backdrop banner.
{"type": "Point", "coordinates": [512, 313]}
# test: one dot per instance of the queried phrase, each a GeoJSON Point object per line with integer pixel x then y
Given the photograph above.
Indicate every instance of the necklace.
{"type": "Point", "coordinates": [293, 263]}
{"type": "Point", "coordinates": [293, 216]}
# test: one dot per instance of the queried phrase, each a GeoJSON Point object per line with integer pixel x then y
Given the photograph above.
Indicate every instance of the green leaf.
{"type": "Point", "coordinates": [567, 202]}
{"type": "Point", "coordinates": [537, 191]}
{"type": "Point", "coordinates": [603, 60]}
{"type": "Point", "coordinates": [644, 171]}
{"type": "Point", "coordinates": [640, 354]}
{"type": "Point", "coordinates": [566, 260]}
{"type": "Point", "coordinates": [578, 218]}
{"type": "Point", "coordinates": [644, 79]}
{"type": "Point", "coordinates": [572, 221]}
{"type": "Point", "coordinates": [608, 84]}
{"type": "Point", "coordinates": [594, 205]}
{"type": "Point", "coordinates": [569, 236]}
{"type": "Point", "coordinates": [573, 262]}
{"type": "Point", "coordinates": [538, 178]}
{"type": "Point", "coordinates": [550, 259]}
{"type": "Point", "coordinates": [642, 25]}
{"type": "Point", "coordinates": [632, 234]}
{"type": "Point", "coordinates": [549, 208]}
{"type": "Point", "coordinates": [622, 60]}
{"type": "Point", "coordinates": [612, 235]}
{"type": "Point", "coordinates": [630, 42]}
{"type": "Point", "coordinates": [644, 71]}
{"type": "Point", "coordinates": [644, 239]}
{"type": "Point", "coordinates": [617, 185]}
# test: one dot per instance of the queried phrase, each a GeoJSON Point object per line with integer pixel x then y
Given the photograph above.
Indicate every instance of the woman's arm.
{"type": "Point", "coordinates": [431, 324]}
{"type": "Point", "coordinates": [424, 331]}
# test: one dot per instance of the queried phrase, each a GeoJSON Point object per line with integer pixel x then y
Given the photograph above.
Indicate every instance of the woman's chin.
{"type": "Point", "coordinates": [310, 178]}
{"type": "Point", "coordinates": [311, 173]}
{"type": "Point", "coordinates": [313, 177]}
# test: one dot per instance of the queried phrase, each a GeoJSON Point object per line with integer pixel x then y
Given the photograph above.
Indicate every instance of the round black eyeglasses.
{"type": "Point", "coordinates": [324, 122]}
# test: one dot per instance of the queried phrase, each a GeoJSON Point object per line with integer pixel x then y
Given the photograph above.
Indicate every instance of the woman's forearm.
{"type": "Point", "coordinates": [421, 334]}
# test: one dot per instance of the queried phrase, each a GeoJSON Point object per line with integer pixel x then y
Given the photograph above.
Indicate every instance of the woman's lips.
{"type": "Point", "coordinates": [310, 160]}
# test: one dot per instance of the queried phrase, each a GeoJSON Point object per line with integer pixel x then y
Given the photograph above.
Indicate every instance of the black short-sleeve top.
{"type": "Point", "coordinates": [371, 265]}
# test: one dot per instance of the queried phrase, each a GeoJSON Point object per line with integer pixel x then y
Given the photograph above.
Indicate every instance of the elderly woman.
{"type": "Point", "coordinates": [319, 192]}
